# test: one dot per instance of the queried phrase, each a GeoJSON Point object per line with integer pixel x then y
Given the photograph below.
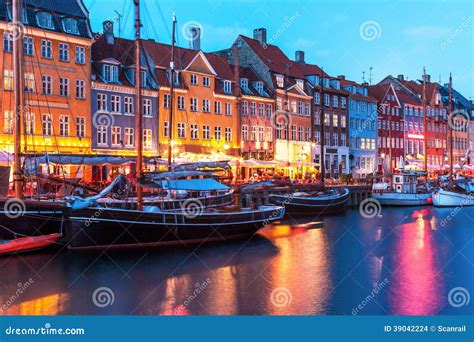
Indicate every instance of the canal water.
{"type": "Point", "coordinates": [416, 261]}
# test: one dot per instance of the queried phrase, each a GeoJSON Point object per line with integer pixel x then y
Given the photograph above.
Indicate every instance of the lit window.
{"type": "Point", "coordinates": [70, 26]}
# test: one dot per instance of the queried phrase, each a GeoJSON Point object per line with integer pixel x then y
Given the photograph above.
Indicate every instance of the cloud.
{"type": "Point", "coordinates": [426, 32]}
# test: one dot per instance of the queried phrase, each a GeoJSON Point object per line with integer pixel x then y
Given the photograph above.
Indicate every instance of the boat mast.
{"type": "Point", "coordinates": [172, 72]}
{"type": "Point", "coordinates": [451, 126]}
{"type": "Point", "coordinates": [425, 115]}
{"type": "Point", "coordinates": [17, 95]}
{"type": "Point", "coordinates": [138, 102]}
{"type": "Point", "coordinates": [321, 127]}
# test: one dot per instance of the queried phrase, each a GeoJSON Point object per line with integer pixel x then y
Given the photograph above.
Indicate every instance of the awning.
{"type": "Point", "coordinates": [87, 160]}
{"type": "Point", "coordinates": [258, 163]}
{"type": "Point", "coordinates": [206, 184]}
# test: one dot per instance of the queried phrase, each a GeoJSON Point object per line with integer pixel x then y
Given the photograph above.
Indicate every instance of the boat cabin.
{"type": "Point", "coordinates": [402, 183]}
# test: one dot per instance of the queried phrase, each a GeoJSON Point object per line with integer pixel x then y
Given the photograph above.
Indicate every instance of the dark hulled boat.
{"type": "Point", "coordinates": [112, 228]}
{"type": "Point", "coordinates": [328, 202]}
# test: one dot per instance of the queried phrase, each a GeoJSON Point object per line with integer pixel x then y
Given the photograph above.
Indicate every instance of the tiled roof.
{"type": "Point", "coordinates": [378, 91]}
{"type": "Point", "coordinates": [248, 73]}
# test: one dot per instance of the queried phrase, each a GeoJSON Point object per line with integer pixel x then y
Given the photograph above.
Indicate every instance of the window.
{"type": "Point", "coordinates": [129, 136]}
{"type": "Point", "coordinates": [147, 107]}
{"type": "Point", "coordinates": [63, 86]}
{"type": "Point", "coordinates": [326, 100]}
{"type": "Point", "coordinates": [29, 82]}
{"type": "Point", "coordinates": [194, 132]}
{"type": "Point", "coordinates": [116, 135]}
{"type": "Point", "coordinates": [115, 102]}
{"type": "Point", "coordinates": [30, 123]}
{"type": "Point", "coordinates": [244, 84]}
{"type": "Point", "coordinates": [317, 137]}
{"type": "Point", "coordinates": [261, 110]}
{"type": "Point", "coordinates": [80, 55]}
{"type": "Point", "coordinates": [194, 104]}
{"type": "Point", "coordinates": [227, 87]}
{"type": "Point", "coordinates": [111, 73]}
{"type": "Point", "coordinates": [307, 109]}
{"type": "Point", "coordinates": [343, 102]}
{"type": "Point", "coordinates": [307, 135]}
{"type": "Point", "coordinates": [8, 122]}
{"type": "Point", "coordinates": [206, 106]}
{"type": "Point", "coordinates": [101, 102]}
{"type": "Point", "coordinates": [253, 109]}
{"type": "Point", "coordinates": [47, 124]}
{"type": "Point", "coordinates": [326, 119]}
{"type": "Point", "coordinates": [261, 133]}
{"type": "Point", "coordinates": [293, 132]}
{"type": "Point", "coordinates": [253, 133]}
{"type": "Point", "coordinates": [8, 80]}
{"type": "Point", "coordinates": [217, 133]}
{"type": "Point", "coordinates": [70, 26]}
{"type": "Point", "coordinates": [335, 120]}
{"type": "Point", "coordinates": [269, 134]}
{"type": "Point", "coordinates": [206, 81]}
{"type": "Point", "coordinates": [259, 87]}
{"type": "Point", "coordinates": [193, 79]}
{"type": "Point", "coordinates": [7, 42]}
{"type": "Point", "coordinates": [300, 133]}
{"type": "Point", "coordinates": [245, 132]}
{"type": "Point", "coordinates": [245, 108]}
{"type": "Point", "coordinates": [147, 138]}
{"type": "Point", "coordinates": [181, 102]}
{"type": "Point", "coordinates": [293, 107]}
{"type": "Point", "coordinates": [64, 125]}
{"type": "Point", "coordinates": [181, 130]}
{"type": "Point", "coordinates": [343, 121]}
{"type": "Point", "coordinates": [335, 101]}
{"type": "Point", "coordinates": [166, 129]}
{"type": "Point", "coordinates": [46, 48]}
{"type": "Point", "coordinates": [63, 52]}
{"type": "Point", "coordinates": [343, 139]}
{"type": "Point", "coordinates": [80, 127]}
{"type": "Point", "coordinates": [80, 89]}
{"type": "Point", "coordinates": [228, 108]}
{"type": "Point", "coordinates": [335, 139]}
{"type": "Point", "coordinates": [317, 98]}
{"type": "Point", "coordinates": [228, 134]}
{"type": "Point", "coordinates": [128, 105]}
{"type": "Point", "coordinates": [280, 79]}
{"type": "Point", "coordinates": [143, 78]}
{"type": "Point", "coordinates": [167, 101]}
{"type": "Point", "coordinates": [206, 132]}
{"type": "Point", "coordinates": [217, 107]}
{"type": "Point", "coordinates": [269, 110]}
{"type": "Point", "coordinates": [45, 20]}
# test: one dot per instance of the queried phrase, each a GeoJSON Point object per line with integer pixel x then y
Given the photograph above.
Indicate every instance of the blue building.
{"type": "Point", "coordinates": [362, 129]}
{"type": "Point", "coordinates": [113, 101]}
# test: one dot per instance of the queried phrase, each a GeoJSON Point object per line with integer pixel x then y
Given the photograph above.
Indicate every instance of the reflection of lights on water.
{"type": "Point", "coordinates": [378, 233]}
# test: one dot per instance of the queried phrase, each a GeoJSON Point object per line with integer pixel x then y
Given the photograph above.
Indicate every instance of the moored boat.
{"type": "Point", "coordinates": [28, 243]}
{"type": "Point", "coordinates": [328, 202]}
{"type": "Point", "coordinates": [457, 194]}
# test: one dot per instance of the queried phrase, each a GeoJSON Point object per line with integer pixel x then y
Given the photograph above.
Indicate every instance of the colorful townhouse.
{"type": "Point", "coordinates": [390, 127]}
{"type": "Point", "coordinates": [329, 101]}
{"type": "Point", "coordinates": [56, 79]}
{"type": "Point", "coordinates": [205, 122]}
{"type": "Point", "coordinates": [113, 102]}
{"type": "Point", "coordinates": [459, 120]}
{"type": "Point", "coordinates": [292, 117]}
{"type": "Point", "coordinates": [362, 129]}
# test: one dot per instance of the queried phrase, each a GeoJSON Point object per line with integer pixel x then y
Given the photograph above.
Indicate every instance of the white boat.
{"type": "Point", "coordinates": [459, 194]}
{"type": "Point", "coordinates": [403, 190]}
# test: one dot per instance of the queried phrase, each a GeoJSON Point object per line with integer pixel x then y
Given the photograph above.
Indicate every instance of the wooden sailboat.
{"type": "Point", "coordinates": [103, 227]}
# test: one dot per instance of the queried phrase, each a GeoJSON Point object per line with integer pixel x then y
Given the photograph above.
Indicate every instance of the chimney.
{"type": "Point", "coordinates": [428, 78]}
{"type": "Point", "coordinates": [195, 38]}
{"type": "Point", "coordinates": [299, 56]}
{"type": "Point", "coordinates": [342, 77]}
{"type": "Point", "coordinates": [401, 77]}
{"type": "Point", "coordinates": [260, 34]}
{"type": "Point", "coordinates": [108, 26]}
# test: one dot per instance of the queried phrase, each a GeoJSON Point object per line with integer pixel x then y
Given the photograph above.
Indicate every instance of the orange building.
{"type": "Point", "coordinates": [56, 80]}
{"type": "Point", "coordinates": [205, 117]}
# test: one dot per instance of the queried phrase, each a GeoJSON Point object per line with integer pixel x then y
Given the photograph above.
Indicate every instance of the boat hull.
{"type": "Point", "coordinates": [313, 205]}
{"type": "Point", "coordinates": [30, 218]}
{"type": "Point", "coordinates": [106, 228]}
{"type": "Point", "coordinates": [445, 198]}
{"type": "Point", "coordinates": [403, 200]}
{"type": "Point", "coordinates": [27, 244]}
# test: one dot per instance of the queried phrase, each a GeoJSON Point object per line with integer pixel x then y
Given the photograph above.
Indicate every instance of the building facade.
{"type": "Point", "coordinates": [56, 80]}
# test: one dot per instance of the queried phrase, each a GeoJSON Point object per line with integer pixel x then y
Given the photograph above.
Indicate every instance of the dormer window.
{"type": "Point", "coordinates": [24, 15]}
{"type": "Point", "coordinates": [144, 79]}
{"type": "Point", "coordinates": [70, 26]}
{"type": "Point", "coordinates": [175, 77]}
{"type": "Point", "coordinates": [325, 82]}
{"type": "Point", "coordinates": [337, 84]}
{"type": "Point", "coordinates": [110, 73]}
{"type": "Point", "coordinates": [45, 20]}
{"type": "Point", "coordinates": [280, 79]}
{"type": "Point", "coordinates": [227, 87]}
{"type": "Point", "coordinates": [244, 84]}
{"type": "Point", "coordinates": [259, 87]}
{"type": "Point", "coordinates": [300, 83]}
